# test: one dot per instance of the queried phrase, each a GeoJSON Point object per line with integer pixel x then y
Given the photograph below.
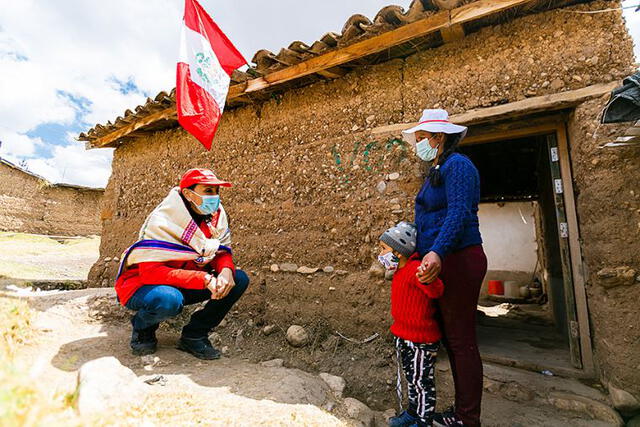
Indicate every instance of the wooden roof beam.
{"type": "Point", "coordinates": [327, 64]}
{"type": "Point", "coordinates": [444, 19]}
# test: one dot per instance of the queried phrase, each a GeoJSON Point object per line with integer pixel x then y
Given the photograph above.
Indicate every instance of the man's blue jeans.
{"type": "Point", "coordinates": [155, 303]}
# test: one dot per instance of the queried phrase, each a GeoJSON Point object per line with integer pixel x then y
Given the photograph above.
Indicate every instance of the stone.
{"type": "Point", "coordinates": [556, 84]}
{"type": "Point", "coordinates": [100, 385]}
{"type": "Point", "coordinates": [335, 383]}
{"type": "Point", "coordinates": [597, 410]}
{"type": "Point", "coordinates": [215, 339]}
{"type": "Point", "coordinates": [342, 272]}
{"type": "Point", "coordinates": [269, 329]}
{"type": "Point", "coordinates": [393, 176]}
{"type": "Point", "coordinates": [370, 119]}
{"type": "Point", "coordinates": [622, 400]}
{"type": "Point", "coordinates": [619, 276]}
{"type": "Point", "coordinates": [516, 392]}
{"type": "Point", "coordinates": [107, 259]}
{"type": "Point", "coordinates": [381, 187]}
{"type": "Point", "coordinates": [289, 267]}
{"type": "Point", "coordinates": [388, 275]}
{"type": "Point", "coordinates": [274, 363]}
{"type": "Point", "coordinates": [225, 349]}
{"type": "Point", "coordinates": [306, 270]}
{"type": "Point", "coordinates": [491, 386]}
{"type": "Point", "coordinates": [396, 207]}
{"type": "Point", "coordinates": [376, 270]}
{"type": "Point", "coordinates": [358, 411]}
{"type": "Point", "coordinates": [297, 336]}
{"type": "Point", "coordinates": [274, 268]}
{"type": "Point", "coordinates": [328, 269]}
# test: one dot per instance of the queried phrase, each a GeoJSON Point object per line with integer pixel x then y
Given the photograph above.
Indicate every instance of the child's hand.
{"type": "Point", "coordinates": [430, 268]}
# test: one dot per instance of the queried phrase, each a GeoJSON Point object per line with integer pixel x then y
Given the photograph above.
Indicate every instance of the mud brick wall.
{"type": "Point", "coordinates": [608, 204]}
{"type": "Point", "coordinates": [29, 204]}
{"type": "Point", "coordinates": [307, 169]}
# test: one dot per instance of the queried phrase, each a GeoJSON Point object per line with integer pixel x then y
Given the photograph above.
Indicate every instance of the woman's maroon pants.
{"type": "Point", "coordinates": [462, 274]}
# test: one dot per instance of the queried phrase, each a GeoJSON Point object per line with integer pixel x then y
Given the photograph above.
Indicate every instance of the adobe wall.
{"type": "Point", "coordinates": [31, 205]}
{"type": "Point", "coordinates": [307, 170]}
{"type": "Point", "coordinates": [608, 203]}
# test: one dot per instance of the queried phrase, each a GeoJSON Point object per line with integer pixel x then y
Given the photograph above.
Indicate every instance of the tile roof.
{"type": "Point", "coordinates": [357, 28]}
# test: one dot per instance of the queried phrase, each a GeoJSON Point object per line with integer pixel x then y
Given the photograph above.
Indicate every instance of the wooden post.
{"type": "Point", "coordinates": [565, 254]}
{"type": "Point", "coordinates": [579, 276]}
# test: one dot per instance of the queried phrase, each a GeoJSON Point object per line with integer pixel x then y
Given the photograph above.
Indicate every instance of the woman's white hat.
{"type": "Point", "coordinates": [434, 121]}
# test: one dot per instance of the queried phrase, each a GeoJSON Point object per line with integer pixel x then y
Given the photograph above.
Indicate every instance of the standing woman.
{"type": "Point", "coordinates": [450, 245]}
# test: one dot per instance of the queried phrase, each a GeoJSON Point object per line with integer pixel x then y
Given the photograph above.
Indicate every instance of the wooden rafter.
{"type": "Point", "coordinates": [552, 102]}
{"type": "Point", "coordinates": [380, 43]}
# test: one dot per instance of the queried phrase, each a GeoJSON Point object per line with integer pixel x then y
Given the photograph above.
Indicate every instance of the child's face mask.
{"type": "Point", "coordinates": [389, 261]}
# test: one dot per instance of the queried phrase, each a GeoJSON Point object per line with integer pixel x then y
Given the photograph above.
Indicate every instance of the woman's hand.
{"type": "Point", "coordinates": [223, 284]}
{"type": "Point", "coordinates": [430, 268]}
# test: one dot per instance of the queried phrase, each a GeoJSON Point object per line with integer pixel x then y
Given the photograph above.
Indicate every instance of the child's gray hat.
{"type": "Point", "coordinates": [401, 237]}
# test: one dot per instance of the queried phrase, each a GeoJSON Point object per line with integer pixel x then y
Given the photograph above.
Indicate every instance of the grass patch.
{"type": "Point", "coordinates": [22, 401]}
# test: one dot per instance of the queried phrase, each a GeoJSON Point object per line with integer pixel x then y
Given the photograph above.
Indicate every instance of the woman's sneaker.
{"type": "Point", "coordinates": [446, 419]}
{"type": "Point", "coordinates": [405, 419]}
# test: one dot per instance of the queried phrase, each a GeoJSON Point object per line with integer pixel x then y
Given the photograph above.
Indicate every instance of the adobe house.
{"type": "Point", "coordinates": [31, 204]}
{"type": "Point", "coordinates": [311, 140]}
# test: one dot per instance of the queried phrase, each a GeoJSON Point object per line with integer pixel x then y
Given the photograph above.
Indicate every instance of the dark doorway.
{"type": "Point", "coordinates": [527, 329]}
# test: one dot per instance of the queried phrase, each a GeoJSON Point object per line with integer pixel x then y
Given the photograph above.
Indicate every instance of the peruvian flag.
{"type": "Point", "coordinates": [207, 59]}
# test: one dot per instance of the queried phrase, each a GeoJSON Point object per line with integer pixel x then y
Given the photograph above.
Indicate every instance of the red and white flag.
{"type": "Point", "coordinates": [207, 59]}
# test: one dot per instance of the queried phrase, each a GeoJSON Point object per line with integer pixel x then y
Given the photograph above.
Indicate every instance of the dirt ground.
{"type": "Point", "coordinates": [71, 329]}
{"type": "Point", "coordinates": [74, 327]}
{"type": "Point", "coordinates": [36, 257]}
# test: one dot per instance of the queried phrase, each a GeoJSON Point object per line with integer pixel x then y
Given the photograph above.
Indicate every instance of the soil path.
{"type": "Point", "coordinates": [70, 331]}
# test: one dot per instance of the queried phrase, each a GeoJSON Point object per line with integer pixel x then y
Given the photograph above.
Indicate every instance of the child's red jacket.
{"type": "Point", "coordinates": [413, 306]}
{"type": "Point", "coordinates": [179, 274]}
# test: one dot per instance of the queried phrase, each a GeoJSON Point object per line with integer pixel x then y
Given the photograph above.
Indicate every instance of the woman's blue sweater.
{"type": "Point", "coordinates": [447, 216]}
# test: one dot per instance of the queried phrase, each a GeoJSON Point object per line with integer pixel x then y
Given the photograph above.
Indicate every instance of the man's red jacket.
{"type": "Point", "coordinates": [180, 274]}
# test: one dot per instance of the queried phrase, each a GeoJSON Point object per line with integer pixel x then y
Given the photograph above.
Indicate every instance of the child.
{"type": "Point", "coordinates": [414, 326]}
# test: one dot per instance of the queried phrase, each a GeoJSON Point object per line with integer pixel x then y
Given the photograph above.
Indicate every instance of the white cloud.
{"type": "Point", "coordinates": [73, 164]}
{"type": "Point", "coordinates": [18, 145]}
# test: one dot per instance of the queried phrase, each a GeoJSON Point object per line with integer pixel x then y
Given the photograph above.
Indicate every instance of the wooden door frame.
{"type": "Point", "coordinates": [557, 125]}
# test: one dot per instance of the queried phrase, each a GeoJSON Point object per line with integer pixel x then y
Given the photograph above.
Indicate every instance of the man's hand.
{"type": "Point", "coordinates": [222, 284]}
{"type": "Point", "coordinates": [430, 268]}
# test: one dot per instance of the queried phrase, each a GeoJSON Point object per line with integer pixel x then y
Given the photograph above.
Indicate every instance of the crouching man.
{"type": "Point", "coordinates": [182, 256]}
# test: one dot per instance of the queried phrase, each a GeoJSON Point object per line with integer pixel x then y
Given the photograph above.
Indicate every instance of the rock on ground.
{"type": "Point", "coordinates": [105, 385]}
{"type": "Point", "coordinates": [297, 336]}
{"type": "Point", "coordinates": [335, 383]}
{"type": "Point", "coordinates": [359, 412]}
{"type": "Point", "coordinates": [595, 409]}
{"type": "Point", "coordinates": [622, 400]}
{"type": "Point", "coordinates": [274, 363]}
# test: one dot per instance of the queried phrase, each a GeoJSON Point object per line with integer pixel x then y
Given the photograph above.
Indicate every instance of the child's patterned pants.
{"type": "Point", "coordinates": [418, 363]}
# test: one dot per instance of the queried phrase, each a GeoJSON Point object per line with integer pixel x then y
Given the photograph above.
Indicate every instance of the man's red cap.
{"type": "Point", "coordinates": [201, 176]}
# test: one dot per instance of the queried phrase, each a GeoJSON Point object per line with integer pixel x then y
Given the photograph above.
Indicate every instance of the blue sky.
{"type": "Point", "coordinates": [69, 64]}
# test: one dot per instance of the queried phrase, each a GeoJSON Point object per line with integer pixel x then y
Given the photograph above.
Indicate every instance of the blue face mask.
{"type": "Point", "coordinates": [425, 151]}
{"type": "Point", "coordinates": [209, 205]}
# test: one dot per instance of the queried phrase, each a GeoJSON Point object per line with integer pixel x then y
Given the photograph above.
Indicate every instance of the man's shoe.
{"type": "Point", "coordinates": [199, 347]}
{"type": "Point", "coordinates": [405, 419]}
{"type": "Point", "coordinates": [446, 419]}
{"type": "Point", "coordinates": [144, 341]}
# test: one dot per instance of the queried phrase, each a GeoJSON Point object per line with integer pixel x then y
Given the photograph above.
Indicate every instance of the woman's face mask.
{"type": "Point", "coordinates": [425, 151]}
{"type": "Point", "coordinates": [389, 261]}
